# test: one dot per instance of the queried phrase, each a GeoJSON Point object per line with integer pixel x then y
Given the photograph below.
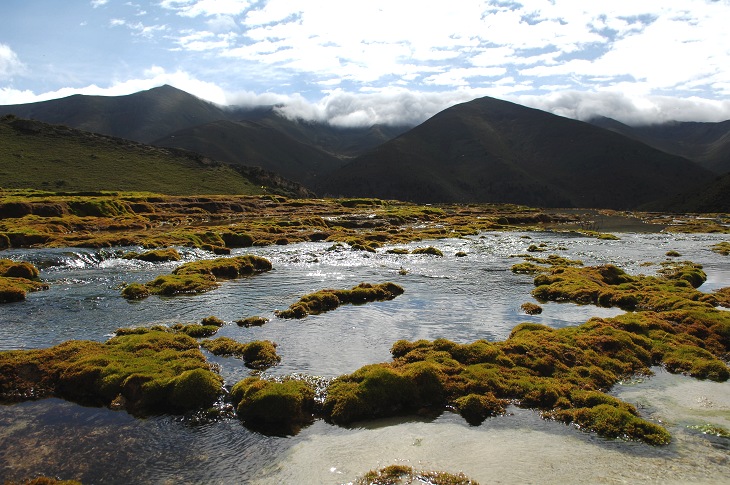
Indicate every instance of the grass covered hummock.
{"type": "Point", "coordinates": [274, 407]}
{"type": "Point", "coordinates": [325, 300]}
{"type": "Point", "coordinates": [17, 278]}
{"type": "Point", "coordinates": [259, 354]}
{"type": "Point", "coordinates": [147, 372]}
{"type": "Point", "coordinates": [565, 372]}
{"type": "Point", "coordinates": [198, 276]}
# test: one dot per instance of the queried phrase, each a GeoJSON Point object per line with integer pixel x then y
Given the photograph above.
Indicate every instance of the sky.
{"type": "Point", "coordinates": [360, 62]}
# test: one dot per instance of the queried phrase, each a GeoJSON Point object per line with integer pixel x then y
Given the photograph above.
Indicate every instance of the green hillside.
{"type": "Point", "coordinates": [36, 155]}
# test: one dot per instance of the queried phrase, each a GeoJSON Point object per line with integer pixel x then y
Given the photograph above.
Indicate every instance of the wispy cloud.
{"type": "Point", "coordinates": [10, 64]}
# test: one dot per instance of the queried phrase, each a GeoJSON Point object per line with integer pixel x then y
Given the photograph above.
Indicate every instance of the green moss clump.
{"type": "Point", "coordinates": [672, 254]}
{"type": "Point", "coordinates": [721, 248]}
{"type": "Point", "coordinates": [171, 285]}
{"type": "Point", "coordinates": [196, 330]}
{"type": "Point", "coordinates": [476, 408]}
{"type": "Point", "coordinates": [135, 291]}
{"type": "Point", "coordinates": [613, 422]}
{"type": "Point", "coordinates": [428, 250]}
{"type": "Point", "coordinates": [608, 285]}
{"type": "Point", "coordinates": [148, 372]}
{"type": "Point", "coordinates": [18, 269]}
{"type": "Point", "coordinates": [402, 474]}
{"type": "Point", "coordinates": [155, 255]}
{"type": "Point", "coordinates": [564, 372]}
{"type": "Point", "coordinates": [212, 320]}
{"type": "Point", "coordinates": [329, 299]}
{"type": "Point", "coordinates": [274, 407]}
{"type": "Point", "coordinates": [711, 429]}
{"type": "Point", "coordinates": [531, 308]}
{"type": "Point", "coordinates": [17, 279]}
{"type": "Point", "coordinates": [259, 354]}
{"type": "Point", "coordinates": [371, 392]}
{"type": "Point", "coordinates": [398, 251]}
{"type": "Point", "coordinates": [252, 321]}
{"type": "Point", "coordinates": [226, 268]}
{"type": "Point", "coordinates": [198, 276]}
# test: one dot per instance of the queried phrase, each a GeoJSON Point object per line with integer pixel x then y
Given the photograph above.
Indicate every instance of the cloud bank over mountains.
{"type": "Point", "coordinates": [362, 62]}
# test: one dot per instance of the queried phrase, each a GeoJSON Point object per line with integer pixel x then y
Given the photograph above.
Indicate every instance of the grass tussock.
{"type": "Point", "coordinates": [144, 372]}
{"type": "Point", "coordinates": [17, 278]}
{"type": "Point", "coordinates": [329, 299]}
{"type": "Point", "coordinates": [198, 276]}
{"type": "Point", "coordinates": [259, 354]}
{"type": "Point", "coordinates": [565, 372]}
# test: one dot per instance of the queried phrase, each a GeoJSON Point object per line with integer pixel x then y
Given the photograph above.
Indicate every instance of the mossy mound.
{"type": "Point", "coordinates": [564, 372]}
{"type": "Point", "coordinates": [252, 321]}
{"type": "Point", "coordinates": [428, 250]}
{"type": "Point", "coordinates": [198, 276]}
{"type": "Point", "coordinates": [17, 278]}
{"type": "Point", "coordinates": [18, 269]}
{"type": "Point", "coordinates": [274, 407]}
{"type": "Point", "coordinates": [171, 285]}
{"type": "Point", "coordinates": [608, 285]}
{"type": "Point", "coordinates": [148, 372]}
{"type": "Point", "coordinates": [155, 255]}
{"type": "Point", "coordinates": [259, 354]}
{"type": "Point", "coordinates": [404, 475]}
{"type": "Point", "coordinates": [329, 299]}
{"type": "Point", "coordinates": [226, 268]}
{"type": "Point", "coordinates": [722, 248]}
{"type": "Point", "coordinates": [531, 308]}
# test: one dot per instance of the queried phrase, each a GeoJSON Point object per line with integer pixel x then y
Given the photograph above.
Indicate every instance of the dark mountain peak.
{"type": "Point", "coordinates": [490, 150]}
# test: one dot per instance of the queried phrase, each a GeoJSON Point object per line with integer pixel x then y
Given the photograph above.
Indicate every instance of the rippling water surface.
{"type": "Point", "coordinates": [459, 298]}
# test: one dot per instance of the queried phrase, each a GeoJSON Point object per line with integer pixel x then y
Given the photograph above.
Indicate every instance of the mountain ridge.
{"type": "Point", "coordinates": [489, 150]}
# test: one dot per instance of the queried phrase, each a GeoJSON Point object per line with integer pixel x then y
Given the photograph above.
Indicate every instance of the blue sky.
{"type": "Point", "coordinates": [354, 62]}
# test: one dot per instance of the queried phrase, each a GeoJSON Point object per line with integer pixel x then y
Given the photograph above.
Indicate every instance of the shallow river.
{"type": "Point", "coordinates": [459, 298]}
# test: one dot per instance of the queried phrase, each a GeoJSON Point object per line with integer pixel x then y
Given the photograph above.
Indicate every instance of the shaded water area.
{"type": "Point", "coordinates": [458, 298]}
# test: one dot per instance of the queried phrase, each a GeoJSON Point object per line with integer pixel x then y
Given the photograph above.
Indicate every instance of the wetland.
{"type": "Point", "coordinates": [459, 321]}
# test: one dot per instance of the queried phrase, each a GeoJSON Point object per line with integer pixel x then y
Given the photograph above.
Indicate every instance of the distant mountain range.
{"type": "Point", "coordinates": [705, 143]}
{"type": "Point", "coordinates": [486, 150]}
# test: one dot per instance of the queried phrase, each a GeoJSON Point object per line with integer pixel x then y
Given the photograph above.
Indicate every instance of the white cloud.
{"type": "Point", "coordinates": [207, 8]}
{"type": "Point", "coordinates": [10, 64]}
{"type": "Point", "coordinates": [98, 3]}
{"type": "Point", "coordinates": [632, 110]}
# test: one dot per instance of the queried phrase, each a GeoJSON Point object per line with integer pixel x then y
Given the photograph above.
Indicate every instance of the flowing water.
{"type": "Point", "coordinates": [459, 298]}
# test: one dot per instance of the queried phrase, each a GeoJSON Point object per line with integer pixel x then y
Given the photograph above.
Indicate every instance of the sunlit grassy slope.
{"type": "Point", "coordinates": [41, 156]}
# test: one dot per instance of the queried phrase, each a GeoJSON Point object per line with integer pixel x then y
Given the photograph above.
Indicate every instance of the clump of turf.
{"type": "Point", "coordinates": [17, 278]}
{"type": "Point", "coordinates": [565, 372]}
{"type": "Point", "coordinates": [531, 308]}
{"type": "Point", "coordinates": [428, 250]}
{"type": "Point", "coordinates": [147, 372]}
{"type": "Point", "coordinates": [252, 321]}
{"type": "Point", "coordinates": [226, 268]}
{"type": "Point", "coordinates": [198, 276]}
{"type": "Point", "coordinates": [259, 354]}
{"type": "Point", "coordinates": [403, 474]}
{"type": "Point", "coordinates": [608, 285]}
{"type": "Point", "coordinates": [155, 255]}
{"type": "Point", "coordinates": [274, 407]}
{"type": "Point", "coordinates": [329, 299]}
{"type": "Point", "coordinates": [722, 248]}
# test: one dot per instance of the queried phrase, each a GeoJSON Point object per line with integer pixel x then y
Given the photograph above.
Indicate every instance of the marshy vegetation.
{"type": "Point", "coordinates": [17, 278]}
{"type": "Point", "coordinates": [198, 276]}
{"type": "Point", "coordinates": [325, 300]}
